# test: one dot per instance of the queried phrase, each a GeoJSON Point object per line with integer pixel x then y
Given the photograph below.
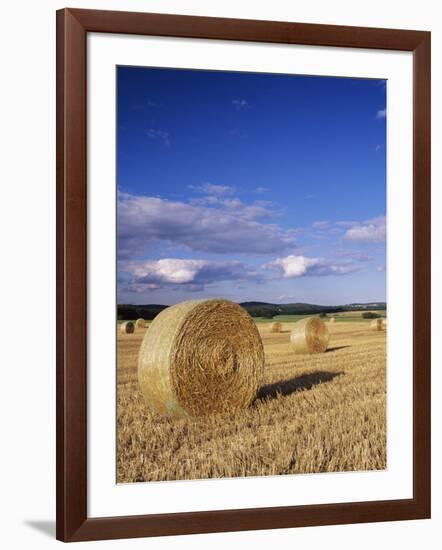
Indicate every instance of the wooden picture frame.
{"type": "Point", "coordinates": [73, 523]}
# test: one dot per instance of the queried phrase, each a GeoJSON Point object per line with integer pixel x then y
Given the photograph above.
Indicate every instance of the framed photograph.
{"type": "Point", "coordinates": [243, 274]}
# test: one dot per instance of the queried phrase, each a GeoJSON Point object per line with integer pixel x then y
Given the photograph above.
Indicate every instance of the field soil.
{"type": "Point", "coordinates": [313, 413]}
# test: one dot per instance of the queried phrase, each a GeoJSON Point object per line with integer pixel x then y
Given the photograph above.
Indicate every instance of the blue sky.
{"type": "Point", "coordinates": [250, 187]}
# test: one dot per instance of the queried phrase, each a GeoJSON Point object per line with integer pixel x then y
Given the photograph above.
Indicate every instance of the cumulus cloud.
{"type": "Point", "coordinates": [371, 231]}
{"type": "Point", "coordinates": [228, 226]}
{"type": "Point", "coordinates": [193, 274]}
{"type": "Point", "coordinates": [382, 113]}
{"type": "Point", "coordinates": [160, 135]}
{"type": "Point", "coordinates": [301, 266]}
{"type": "Point", "coordinates": [234, 206]}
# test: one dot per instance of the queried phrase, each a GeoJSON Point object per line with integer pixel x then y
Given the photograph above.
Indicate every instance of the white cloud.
{"type": "Point", "coordinates": [206, 201]}
{"type": "Point", "coordinates": [240, 104]}
{"type": "Point", "coordinates": [224, 226]}
{"type": "Point", "coordinates": [257, 210]}
{"type": "Point", "coordinates": [212, 189]}
{"type": "Point", "coordinates": [300, 266]}
{"type": "Point", "coordinates": [322, 224]}
{"type": "Point", "coordinates": [371, 231]}
{"type": "Point", "coordinates": [261, 190]}
{"type": "Point", "coordinates": [232, 203]}
{"type": "Point", "coordinates": [167, 270]}
{"type": "Point", "coordinates": [265, 203]}
{"type": "Point", "coordinates": [346, 223]}
{"type": "Point", "coordinates": [355, 255]}
{"type": "Point", "coordinates": [160, 135]}
{"type": "Point", "coordinates": [194, 274]}
{"type": "Point", "coordinates": [382, 113]}
{"type": "Point", "coordinates": [293, 266]}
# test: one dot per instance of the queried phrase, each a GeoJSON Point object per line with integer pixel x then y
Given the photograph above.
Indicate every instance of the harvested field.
{"type": "Point", "coordinates": [314, 413]}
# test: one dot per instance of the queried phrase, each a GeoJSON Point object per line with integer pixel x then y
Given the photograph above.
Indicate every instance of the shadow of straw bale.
{"type": "Point", "coordinates": [287, 387]}
{"type": "Point", "coordinates": [336, 348]}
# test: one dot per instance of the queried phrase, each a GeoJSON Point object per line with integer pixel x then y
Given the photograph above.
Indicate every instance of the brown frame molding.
{"type": "Point", "coordinates": [72, 521]}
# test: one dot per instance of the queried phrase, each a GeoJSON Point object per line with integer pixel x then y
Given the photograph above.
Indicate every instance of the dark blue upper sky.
{"type": "Point", "coordinates": [211, 158]}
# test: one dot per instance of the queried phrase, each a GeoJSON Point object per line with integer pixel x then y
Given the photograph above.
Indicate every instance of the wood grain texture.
{"type": "Point", "coordinates": [247, 30]}
{"type": "Point", "coordinates": [71, 276]}
{"type": "Point", "coordinates": [72, 28]}
{"type": "Point", "coordinates": [422, 275]}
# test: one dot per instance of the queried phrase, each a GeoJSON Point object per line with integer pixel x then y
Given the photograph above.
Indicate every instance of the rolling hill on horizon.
{"type": "Point", "coordinates": [254, 308]}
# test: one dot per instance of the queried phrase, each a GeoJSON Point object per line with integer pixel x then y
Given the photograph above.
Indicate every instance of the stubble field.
{"type": "Point", "coordinates": [313, 413]}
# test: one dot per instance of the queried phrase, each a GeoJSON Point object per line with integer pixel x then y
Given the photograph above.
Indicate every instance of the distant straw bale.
{"type": "Point", "coordinates": [200, 357]}
{"type": "Point", "coordinates": [140, 323]}
{"type": "Point", "coordinates": [309, 335]}
{"type": "Point", "coordinates": [127, 328]}
{"type": "Point", "coordinates": [377, 324]}
{"type": "Point", "coordinates": [332, 320]}
{"type": "Point", "coordinates": [384, 324]}
{"type": "Point", "coordinates": [276, 327]}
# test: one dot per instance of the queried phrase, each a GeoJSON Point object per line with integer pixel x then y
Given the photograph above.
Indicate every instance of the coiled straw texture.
{"type": "Point", "coordinates": [200, 357]}
{"type": "Point", "coordinates": [309, 335]}
{"type": "Point", "coordinates": [127, 328]}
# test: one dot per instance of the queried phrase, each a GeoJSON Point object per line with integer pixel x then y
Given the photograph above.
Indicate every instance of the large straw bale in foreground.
{"type": "Point", "coordinates": [200, 357]}
{"type": "Point", "coordinates": [377, 324]}
{"type": "Point", "coordinates": [276, 327]}
{"type": "Point", "coordinates": [140, 323]}
{"type": "Point", "coordinates": [127, 328]}
{"type": "Point", "coordinates": [309, 335]}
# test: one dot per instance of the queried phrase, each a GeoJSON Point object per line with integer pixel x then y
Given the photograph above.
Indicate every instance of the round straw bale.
{"type": "Point", "coordinates": [127, 328]}
{"type": "Point", "coordinates": [276, 327]}
{"type": "Point", "coordinates": [139, 323]}
{"type": "Point", "coordinates": [309, 335]}
{"type": "Point", "coordinates": [200, 357]}
{"type": "Point", "coordinates": [377, 324]}
{"type": "Point", "coordinates": [384, 324]}
{"type": "Point", "coordinates": [332, 319]}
